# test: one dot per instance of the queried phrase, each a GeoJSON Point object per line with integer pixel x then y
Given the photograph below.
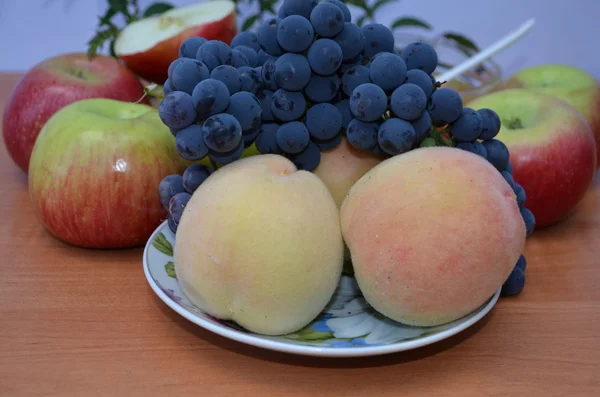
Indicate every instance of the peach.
{"type": "Point", "coordinates": [433, 233]}
{"type": "Point", "coordinates": [342, 166]}
{"type": "Point", "coordinates": [260, 243]}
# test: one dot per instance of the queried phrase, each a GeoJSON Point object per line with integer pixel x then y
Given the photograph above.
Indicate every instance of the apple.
{"type": "Point", "coordinates": [55, 83]}
{"type": "Point", "coordinates": [95, 170]}
{"type": "Point", "coordinates": [575, 86]}
{"type": "Point", "coordinates": [149, 45]}
{"type": "Point", "coordinates": [552, 149]}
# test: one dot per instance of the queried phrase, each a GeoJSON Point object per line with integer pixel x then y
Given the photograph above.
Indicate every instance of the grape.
{"type": "Point", "coordinates": [514, 284]}
{"type": "Point", "coordinates": [521, 195]}
{"type": "Point", "coordinates": [293, 137]}
{"type": "Point", "coordinates": [268, 74]}
{"type": "Point", "coordinates": [378, 38]}
{"type": "Point", "coordinates": [350, 63]}
{"type": "Point", "coordinates": [351, 40]}
{"type": "Point", "coordinates": [295, 33]}
{"type": "Point", "coordinates": [239, 59]}
{"type": "Point", "coordinates": [529, 220]}
{"type": "Point", "coordinates": [323, 121]}
{"type": "Point", "coordinates": [281, 13]}
{"type": "Point", "coordinates": [177, 110]}
{"type": "Point", "coordinates": [172, 225]}
{"type": "Point", "coordinates": [287, 105]}
{"type": "Point", "coordinates": [468, 126]}
{"type": "Point", "coordinates": [190, 143]}
{"type": "Point", "coordinates": [408, 102]}
{"type": "Point", "coordinates": [250, 138]}
{"type": "Point", "coordinates": [246, 38]}
{"type": "Point", "coordinates": [368, 102]}
{"type": "Point", "coordinates": [189, 47]}
{"type": "Point", "coordinates": [215, 53]}
{"type": "Point", "coordinates": [194, 175]}
{"type": "Point", "coordinates": [327, 20]}
{"type": "Point", "coordinates": [308, 159]}
{"type": "Point", "coordinates": [473, 147]}
{"type": "Point", "coordinates": [421, 56]}
{"type": "Point", "coordinates": [378, 151]}
{"type": "Point", "coordinates": [173, 65]}
{"type": "Point", "coordinates": [265, 97]}
{"type": "Point", "coordinates": [299, 7]}
{"type": "Point", "coordinates": [222, 133]}
{"type": "Point", "coordinates": [266, 142]}
{"type": "Point", "coordinates": [343, 7]}
{"type": "Point", "coordinates": [292, 72]}
{"type": "Point", "coordinates": [267, 36]}
{"type": "Point", "coordinates": [246, 108]}
{"type": "Point", "coordinates": [362, 135]}
{"type": "Point", "coordinates": [322, 88]}
{"type": "Point", "coordinates": [421, 79]}
{"type": "Point", "coordinates": [354, 77]}
{"type": "Point", "coordinates": [174, 131]}
{"type": "Point", "coordinates": [422, 127]}
{"type": "Point", "coordinates": [388, 71]}
{"type": "Point", "coordinates": [522, 263]}
{"type": "Point", "coordinates": [169, 187]}
{"type": "Point", "coordinates": [229, 157]}
{"type": "Point", "coordinates": [177, 205]}
{"type": "Point", "coordinates": [329, 143]}
{"type": "Point", "coordinates": [210, 97]}
{"type": "Point", "coordinates": [509, 167]}
{"type": "Point", "coordinates": [396, 136]}
{"type": "Point", "coordinates": [168, 87]}
{"type": "Point", "coordinates": [262, 57]}
{"type": "Point", "coordinates": [229, 76]}
{"type": "Point", "coordinates": [344, 108]}
{"type": "Point", "coordinates": [491, 124]}
{"type": "Point", "coordinates": [497, 153]}
{"type": "Point", "coordinates": [509, 179]}
{"type": "Point", "coordinates": [325, 57]}
{"type": "Point", "coordinates": [249, 53]}
{"type": "Point", "coordinates": [187, 74]}
{"type": "Point", "coordinates": [445, 106]}
{"type": "Point", "coordinates": [251, 81]}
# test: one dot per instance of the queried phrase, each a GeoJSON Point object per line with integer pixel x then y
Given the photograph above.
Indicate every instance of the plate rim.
{"type": "Point", "coordinates": [303, 350]}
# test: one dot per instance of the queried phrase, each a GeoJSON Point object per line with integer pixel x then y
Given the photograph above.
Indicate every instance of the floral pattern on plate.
{"type": "Point", "coordinates": [348, 321]}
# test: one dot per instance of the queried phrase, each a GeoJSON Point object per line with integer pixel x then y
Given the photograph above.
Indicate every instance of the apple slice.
{"type": "Point", "coordinates": [148, 46]}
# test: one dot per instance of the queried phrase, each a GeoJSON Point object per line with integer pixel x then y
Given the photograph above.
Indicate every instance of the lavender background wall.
{"type": "Point", "coordinates": [566, 31]}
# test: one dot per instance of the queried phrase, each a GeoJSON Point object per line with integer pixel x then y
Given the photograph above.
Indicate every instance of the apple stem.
{"type": "Point", "coordinates": [489, 52]}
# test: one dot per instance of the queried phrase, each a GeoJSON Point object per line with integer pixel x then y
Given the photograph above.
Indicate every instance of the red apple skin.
{"type": "Point", "coordinates": [154, 63]}
{"type": "Point", "coordinates": [97, 187]}
{"type": "Point", "coordinates": [554, 158]}
{"type": "Point", "coordinates": [55, 83]}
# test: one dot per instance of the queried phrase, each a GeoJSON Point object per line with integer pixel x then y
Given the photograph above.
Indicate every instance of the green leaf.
{"type": "Point", "coordinates": [105, 20]}
{"type": "Point", "coordinates": [428, 142]}
{"type": "Point", "coordinates": [119, 6]}
{"type": "Point", "coordinates": [410, 22]}
{"type": "Point", "coordinates": [249, 22]}
{"type": "Point", "coordinates": [99, 39]}
{"type": "Point", "coordinates": [163, 245]}
{"type": "Point", "coordinates": [308, 334]}
{"type": "Point", "coordinates": [170, 269]}
{"type": "Point", "coordinates": [462, 41]}
{"type": "Point", "coordinates": [157, 9]}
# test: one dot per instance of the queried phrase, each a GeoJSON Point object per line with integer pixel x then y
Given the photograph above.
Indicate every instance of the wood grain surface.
{"type": "Point", "coordinates": [77, 322]}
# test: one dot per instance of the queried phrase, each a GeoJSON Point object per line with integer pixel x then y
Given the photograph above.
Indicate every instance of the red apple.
{"type": "Point", "coordinates": [148, 46]}
{"type": "Point", "coordinates": [575, 86]}
{"type": "Point", "coordinates": [552, 149]}
{"type": "Point", "coordinates": [55, 83]}
{"type": "Point", "coordinates": [95, 170]}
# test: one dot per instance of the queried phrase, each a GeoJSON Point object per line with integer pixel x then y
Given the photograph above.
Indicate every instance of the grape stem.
{"type": "Point", "coordinates": [213, 164]}
{"type": "Point", "coordinates": [489, 52]}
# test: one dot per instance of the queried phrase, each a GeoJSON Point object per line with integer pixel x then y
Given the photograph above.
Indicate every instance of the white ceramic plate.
{"type": "Point", "coordinates": [348, 327]}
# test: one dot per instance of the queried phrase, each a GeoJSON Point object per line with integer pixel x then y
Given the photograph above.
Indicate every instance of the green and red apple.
{"type": "Point", "coordinates": [95, 171]}
{"type": "Point", "coordinates": [148, 46]}
{"type": "Point", "coordinates": [552, 149]}
{"type": "Point", "coordinates": [574, 86]}
{"type": "Point", "coordinates": [55, 83]}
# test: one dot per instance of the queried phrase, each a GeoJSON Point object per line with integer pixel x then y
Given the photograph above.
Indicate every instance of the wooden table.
{"type": "Point", "coordinates": [76, 322]}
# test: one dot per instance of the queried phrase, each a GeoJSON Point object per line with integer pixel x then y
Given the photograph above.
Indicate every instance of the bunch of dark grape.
{"type": "Point", "coordinates": [302, 82]}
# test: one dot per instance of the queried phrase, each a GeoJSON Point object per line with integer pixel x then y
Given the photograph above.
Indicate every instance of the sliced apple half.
{"type": "Point", "coordinates": [148, 46]}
